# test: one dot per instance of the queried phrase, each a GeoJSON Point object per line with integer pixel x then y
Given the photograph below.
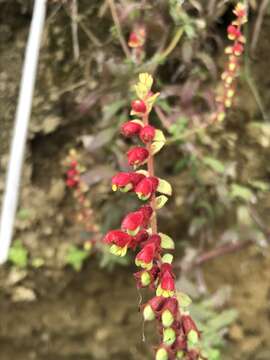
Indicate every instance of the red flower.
{"type": "Point", "coordinates": [72, 182]}
{"type": "Point", "coordinates": [233, 32]}
{"type": "Point", "coordinates": [139, 106]}
{"type": "Point", "coordinates": [137, 155]}
{"type": "Point", "coordinates": [119, 241]}
{"type": "Point", "coordinates": [147, 212]}
{"type": "Point", "coordinates": [146, 256]}
{"type": "Point", "coordinates": [126, 181]}
{"type": "Point", "coordinates": [141, 237]}
{"type": "Point", "coordinates": [130, 128]}
{"type": "Point", "coordinates": [117, 237]}
{"type": "Point", "coordinates": [156, 303]}
{"type": "Point", "coordinates": [153, 239]}
{"type": "Point", "coordinates": [133, 222]}
{"type": "Point", "coordinates": [238, 49]}
{"type": "Point", "coordinates": [146, 188]}
{"type": "Point", "coordinates": [147, 133]}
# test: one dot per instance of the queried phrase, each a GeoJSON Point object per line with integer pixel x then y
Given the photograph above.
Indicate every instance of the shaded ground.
{"type": "Point", "coordinates": [93, 315]}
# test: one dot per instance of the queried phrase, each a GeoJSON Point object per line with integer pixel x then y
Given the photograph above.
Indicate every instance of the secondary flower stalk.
{"type": "Point", "coordinates": [179, 336]}
{"type": "Point", "coordinates": [234, 53]}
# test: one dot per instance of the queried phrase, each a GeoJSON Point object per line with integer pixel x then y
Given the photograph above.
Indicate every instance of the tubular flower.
{"type": "Point", "coordinates": [119, 242]}
{"type": "Point", "coordinates": [147, 134]}
{"type": "Point", "coordinates": [137, 37]}
{"type": "Point", "coordinates": [137, 155]}
{"type": "Point", "coordinates": [126, 181]}
{"type": "Point", "coordinates": [139, 230]}
{"type": "Point", "coordinates": [83, 205]}
{"type": "Point", "coordinates": [139, 106]}
{"type": "Point", "coordinates": [130, 128]}
{"type": "Point", "coordinates": [234, 52]}
{"type": "Point", "coordinates": [146, 187]}
{"type": "Point", "coordinates": [146, 256]}
{"type": "Point", "coordinates": [133, 222]}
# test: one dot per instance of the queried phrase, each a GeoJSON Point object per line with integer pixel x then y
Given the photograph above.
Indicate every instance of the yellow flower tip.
{"type": "Point", "coordinates": [114, 187]}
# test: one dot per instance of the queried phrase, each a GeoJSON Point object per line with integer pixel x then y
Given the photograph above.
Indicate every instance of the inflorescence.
{"type": "Point", "coordinates": [138, 232]}
{"type": "Point", "coordinates": [234, 52]}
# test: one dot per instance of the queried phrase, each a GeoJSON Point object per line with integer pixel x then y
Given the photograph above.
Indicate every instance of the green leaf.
{"type": "Point", "coordinates": [156, 146]}
{"type": "Point", "coordinates": [164, 187]}
{"type": "Point", "coordinates": [167, 259]}
{"type": "Point", "coordinates": [184, 300]}
{"type": "Point", "coordinates": [241, 192]}
{"type": "Point", "coordinates": [166, 242]}
{"type": "Point", "coordinates": [160, 201]}
{"type": "Point", "coordinates": [76, 257]}
{"type": "Point", "coordinates": [214, 164]}
{"type": "Point", "coordinates": [159, 136]}
{"type": "Point", "coordinates": [18, 255]}
{"type": "Point", "coordinates": [260, 185]}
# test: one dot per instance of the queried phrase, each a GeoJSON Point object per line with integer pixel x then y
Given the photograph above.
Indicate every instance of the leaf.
{"type": "Point", "coordinates": [144, 85]}
{"type": "Point", "coordinates": [138, 121]}
{"type": "Point", "coordinates": [76, 257]}
{"type": "Point", "coordinates": [18, 255]}
{"type": "Point", "coordinates": [222, 320]}
{"type": "Point", "coordinates": [242, 192]}
{"type": "Point", "coordinates": [159, 136]}
{"type": "Point", "coordinates": [113, 108]}
{"type": "Point", "coordinates": [160, 201]}
{"type": "Point", "coordinates": [97, 174]}
{"type": "Point", "coordinates": [156, 146]}
{"type": "Point", "coordinates": [164, 187]}
{"type": "Point", "coordinates": [260, 185]}
{"type": "Point", "coordinates": [167, 259]}
{"type": "Point", "coordinates": [151, 100]}
{"type": "Point", "coordinates": [183, 299]}
{"type": "Point", "coordinates": [214, 164]}
{"type": "Point", "coordinates": [146, 79]}
{"type": "Point", "coordinates": [166, 242]}
{"type": "Point", "coordinates": [95, 142]}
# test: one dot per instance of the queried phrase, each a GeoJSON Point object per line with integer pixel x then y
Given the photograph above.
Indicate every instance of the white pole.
{"type": "Point", "coordinates": [23, 112]}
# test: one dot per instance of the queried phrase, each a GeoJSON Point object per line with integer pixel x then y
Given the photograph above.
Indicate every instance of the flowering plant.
{"type": "Point", "coordinates": [179, 334]}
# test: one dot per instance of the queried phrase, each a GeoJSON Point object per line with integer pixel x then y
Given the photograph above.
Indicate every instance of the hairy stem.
{"type": "Point", "coordinates": [151, 171]}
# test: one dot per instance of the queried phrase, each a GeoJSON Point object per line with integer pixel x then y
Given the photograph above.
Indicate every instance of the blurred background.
{"type": "Point", "coordinates": [61, 300]}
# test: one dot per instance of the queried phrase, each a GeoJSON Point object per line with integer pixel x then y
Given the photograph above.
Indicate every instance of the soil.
{"type": "Point", "coordinates": [54, 313]}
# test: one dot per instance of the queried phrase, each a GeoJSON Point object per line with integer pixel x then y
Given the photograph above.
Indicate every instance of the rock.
{"type": "Point", "coordinates": [23, 294]}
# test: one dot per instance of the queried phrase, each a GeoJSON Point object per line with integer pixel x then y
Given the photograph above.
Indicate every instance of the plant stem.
{"type": "Point", "coordinates": [151, 171]}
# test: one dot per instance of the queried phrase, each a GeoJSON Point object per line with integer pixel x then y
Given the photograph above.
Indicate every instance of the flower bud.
{"type": "Point", "coordinates": [139, 106]}
{"type": "Point", "coordinates": [137, 155]}
{"type": "Point", "coordinates": [180, 355]}
{"type": "Point", "coordinates": [130, 128]}
{"type": "Point", "coordinates": [169, 336]}
{"type": "Point", "coordinates": [147, 134]}
{"type": "Point", "coordinates": [162, 354]}
{"type": "Point", "coordinates": [126, 181]}
{"type": "Point", "coordinates": [145, 278]}
{"type": "Point", "coordinates": [148, 313]}
{"type": "Point", "coordinates": [190, 328]}
{"type": "Point", "coordinates": [146, 188]}
{"type": "Point", "coordinates": [233, 32]}
{"type": "Point", "coordinates": [167, 318]}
